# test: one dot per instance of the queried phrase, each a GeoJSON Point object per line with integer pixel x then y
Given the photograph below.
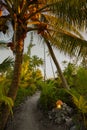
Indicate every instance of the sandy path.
{"type": "Point", "coordinates": [28, 117]}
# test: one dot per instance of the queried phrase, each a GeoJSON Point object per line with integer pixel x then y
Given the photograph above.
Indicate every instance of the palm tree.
{"type": "Point", "coordinates": [33, 15]}
{"type": "Point", "coordinates": [36, 61]}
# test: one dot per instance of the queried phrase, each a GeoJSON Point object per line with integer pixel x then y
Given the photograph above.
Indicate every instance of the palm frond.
{"type": "Point", "coordinates": [72, 11]}
{"type": "Point", "coordinates": [64, 14]}
{"type": "Point", "coordinates": [3, 45]}
{"type": "Point", "coordinates": [65, 36]}
{"type": "Point", "coordinates": [3, 98]}
{"type": "Point", "coordinates": [57, 24]}
{"type": "Point", "coordinates": [7, 4]}
{"type": "Point", "coordinates": [3, 26]}
{"type": "Point", "coordinates": [69, 43]}
{"type": "Point", "coordinates": [6, 64]}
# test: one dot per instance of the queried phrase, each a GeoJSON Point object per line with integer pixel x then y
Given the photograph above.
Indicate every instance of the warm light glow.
{"type": "Point", "coordinates": [59, 104]}
{"type": "Point", "coordinates": [0, 13]}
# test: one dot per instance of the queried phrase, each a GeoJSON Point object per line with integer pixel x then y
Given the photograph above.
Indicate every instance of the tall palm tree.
{"type": "Point", "coordinates": [33, 15]}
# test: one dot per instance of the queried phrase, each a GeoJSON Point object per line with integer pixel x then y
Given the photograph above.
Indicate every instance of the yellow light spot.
{"type": "Point", "coordinates": [1, 12]}
{"type": "Point", "coordinates": [59, 104]}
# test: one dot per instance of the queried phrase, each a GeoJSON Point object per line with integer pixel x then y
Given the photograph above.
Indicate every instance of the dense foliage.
{"type": "Point", "coordinates": [75, 97]}
{"type": "Point", "coordinates": [31, 77]}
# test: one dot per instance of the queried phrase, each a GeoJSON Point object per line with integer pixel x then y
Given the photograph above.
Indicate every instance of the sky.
{"type": "Point", "coordinates": [38, 50]}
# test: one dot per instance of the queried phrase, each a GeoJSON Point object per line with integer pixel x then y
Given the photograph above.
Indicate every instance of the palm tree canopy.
{"type": "Point", "coordinates": [36, 61]}
{"type": "Point", "coordinates": [73, 11]}
{"type": "Point", "coordinates": [53, 18]}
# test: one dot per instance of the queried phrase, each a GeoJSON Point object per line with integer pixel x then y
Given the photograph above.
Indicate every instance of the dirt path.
{"type": "Point", "coordinates": [28, 117]}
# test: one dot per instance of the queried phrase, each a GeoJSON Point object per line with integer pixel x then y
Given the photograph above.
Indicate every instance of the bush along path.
{"type": "Point", "coordinates": [29, 117]}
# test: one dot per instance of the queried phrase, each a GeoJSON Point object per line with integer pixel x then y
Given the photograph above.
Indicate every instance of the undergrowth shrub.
{"type": "Point", "coordinates": [51, 93]}
{"type": "Point", "coordinates": [4, 99]}
{"type": "Point", "coordinates": [64, 96]}
{"type": "Point", "coordinates": [48, 96]}
{"type": "Point", "coordinates": [81, 106]}
{"type": "Point", "coordinates": [81, 82]}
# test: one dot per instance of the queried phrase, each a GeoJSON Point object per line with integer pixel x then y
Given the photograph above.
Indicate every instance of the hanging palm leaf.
{"type": "Point", "coordinates": [6, 64]}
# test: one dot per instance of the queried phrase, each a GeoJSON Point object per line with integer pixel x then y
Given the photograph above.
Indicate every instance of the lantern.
{"type": "Point", "coordinates": [0, 12]}
{"type": "Point", "coordinates": [59, 104]}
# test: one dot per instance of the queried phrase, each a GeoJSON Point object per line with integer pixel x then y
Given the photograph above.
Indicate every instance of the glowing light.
{"type": "Point", "coordinates": [59, 104]}
{"type": "Point", "coordinates": [1, 12]}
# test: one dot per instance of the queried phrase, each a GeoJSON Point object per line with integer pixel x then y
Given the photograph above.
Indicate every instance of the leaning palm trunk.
{"type": "Point", "coordinates": [64, 82]}
{"type": "Point", "coordinates": [52, 68]}
{"type": "Point", "coordinates": [14, 85]}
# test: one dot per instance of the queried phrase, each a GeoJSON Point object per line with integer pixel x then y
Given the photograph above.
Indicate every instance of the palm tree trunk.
{"type": "Point", "coordinates": [14, 87]}
{"type": "Point", "coordinates": [64, 82]}
{"type": "Point", "coordinates": [44, 63]}
{"type": "Point", "coordinates": [52, 67]}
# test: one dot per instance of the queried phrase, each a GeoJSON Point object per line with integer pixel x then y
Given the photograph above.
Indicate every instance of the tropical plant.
{"type": "Point", "coordinates": [82, 75]}
{"type": "Point", "coordinates": [36, 62]}
{"type": "Point", "coordinates": [29, 73]}
{"type": "Point", "coordinates": [6, 64]}
{"type": "Point", "coordinates": [80, 82]}
{"type": "Point", "coordinates": [48, 95]}
{"type": "Point", "coordinates": [84, 62]}
{"type": "Point", "coordinates": [54, 29]}
{"type": "Point", "coordinates": [4, 67]}
{"type": "Point", "coordinates": [4, 99]}
{"type": "Point", "coordinates": [76, 77]}
{"type": "Point", "coordinates": [80, 103]}
{"type": "Point", "coordinates": [70, 72]}
{"type": "Point", "coordinates": [31, 77]}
